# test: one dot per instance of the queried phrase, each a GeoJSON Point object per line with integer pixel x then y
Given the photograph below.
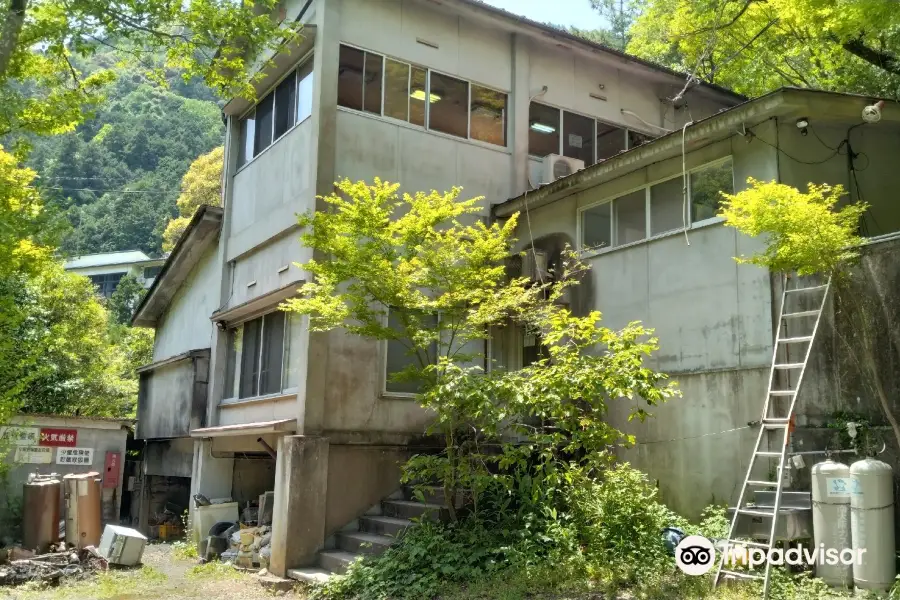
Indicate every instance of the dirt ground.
{"type": "Point", "coordinates": [163, 576]}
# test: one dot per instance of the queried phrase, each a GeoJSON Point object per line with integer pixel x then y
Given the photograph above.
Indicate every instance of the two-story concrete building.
{"type": "Point", "coordinates": [107, 269]}
{"type": "Point", "coordinates": [427, 93]}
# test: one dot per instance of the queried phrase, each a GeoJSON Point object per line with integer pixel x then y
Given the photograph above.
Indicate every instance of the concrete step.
{"type": "Point", "coordinates": [388, 526]}
{"type": "Point", "coordinates": [411, 509]}
{"type": "Point", "coordinates": [309, 575]}
{"type": "Point", "coordinates": [362, 542]}
{"type": "Point", "coordinates": [433, 494]}
{"type": "Point", "coordinates": [337, 561]}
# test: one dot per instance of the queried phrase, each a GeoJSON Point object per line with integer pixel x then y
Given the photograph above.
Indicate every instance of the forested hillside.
{"type": "Point", "coordinates": [116, 178]}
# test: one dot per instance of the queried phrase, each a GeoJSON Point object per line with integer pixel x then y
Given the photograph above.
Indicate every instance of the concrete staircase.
{"type": "Point", "coordinates": [374, 532]}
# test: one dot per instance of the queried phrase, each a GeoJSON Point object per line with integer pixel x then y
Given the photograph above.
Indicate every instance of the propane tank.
{"type": "Point", "coordinates": [831, 517]}
{"type": "Point", "coordinates": [872, 524]}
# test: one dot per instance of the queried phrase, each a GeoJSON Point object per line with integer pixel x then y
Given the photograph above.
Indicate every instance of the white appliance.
{"type": "Point", "coordinates": [122, 545]}
{"type": "Point", "coordinates": [556, 166]}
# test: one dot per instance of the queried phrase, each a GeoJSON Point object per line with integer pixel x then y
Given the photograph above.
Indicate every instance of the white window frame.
{"type": "Point", "coordinates": [427, 126]}
{"type": "Point", "coordinates": [230, 397]}
{"type": "Point", "coordinates": [646, 187]}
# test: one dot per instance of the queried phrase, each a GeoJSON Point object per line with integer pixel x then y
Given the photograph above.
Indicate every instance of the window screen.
{"type": "Point", "coordinates": [631, 217]}
{"type": "Point", "coordinates": [543, 129]}
{"type": "Point", "coordinates": [706, 184]}
{"type": "Point", "coordinates": [263, 124]}
{"type": "Point", "coordinates": [666, 202]}
{"type": "Point", "coordinates": [610, 141]}
{"type": "Point", "coordinates": [596, 227]}
{"type": "Point", "coordinates": [372, 84]}
{"type": "Point", "coordinates": [488, 116]}
{"type": "Point", "coordinates": [350, 77]}
{"type": "Point", "coordinates": [449, 110]}
{"type": "Point", "coordinates": [578, 137]}
{"type": "Point", "coordinates": [396, 89]}
{"type": "Point", "coordinates": [285, 105]}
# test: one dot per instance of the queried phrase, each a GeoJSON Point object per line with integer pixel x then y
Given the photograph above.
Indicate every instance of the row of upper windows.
{"type": "Point", "coordinates": [383, 86]}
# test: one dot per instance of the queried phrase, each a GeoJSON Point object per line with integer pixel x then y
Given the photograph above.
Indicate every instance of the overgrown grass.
{"type": "Point", "coordinates": [213, 570]}
{"type": "Point", "coordinates": [184, 549]}
{"type": "Point", "coordinates": [103, 586]}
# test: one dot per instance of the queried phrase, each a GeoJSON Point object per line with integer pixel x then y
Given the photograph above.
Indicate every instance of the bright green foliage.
{"type": "Point", "coordinates": [125, 299]}
{"type": "Point", "coordinates": [754, 46]}
{"type": "Point", "coordinates": [416, 256]}
{"type": "Point", "coordinates": [202, 184]}
{"type": "Point", "coordinates": [43, 92]}
{"type": "Point", "coordinates": [804, 232]}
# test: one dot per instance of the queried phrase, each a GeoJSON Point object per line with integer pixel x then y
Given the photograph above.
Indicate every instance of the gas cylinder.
{"type": "Point", "coordinates": [872, 524]}
{"type": "Point", "coordinates": [831, 517]}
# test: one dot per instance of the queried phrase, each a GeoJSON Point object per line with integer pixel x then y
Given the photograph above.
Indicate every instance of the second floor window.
{"type": "Point", "coordinates": [289, 103]}
{"type": "Point", "coordinates": [376, 84]}
{"type": "Point", "coordinates": [258, 357]}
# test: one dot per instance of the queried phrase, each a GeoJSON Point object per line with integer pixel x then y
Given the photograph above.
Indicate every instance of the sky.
{"type": "Point", "coordinates": [559, 12]}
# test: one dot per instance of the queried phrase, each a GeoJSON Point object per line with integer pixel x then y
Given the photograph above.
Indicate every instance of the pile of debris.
{"type": "Point", "coordinates": [245, 547]}
{"type": "Point", "coordinates": [18, 565]}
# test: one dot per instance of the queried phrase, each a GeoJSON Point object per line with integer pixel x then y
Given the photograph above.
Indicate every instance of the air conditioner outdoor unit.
{"type": "Point", "coordinates": [556, 166]}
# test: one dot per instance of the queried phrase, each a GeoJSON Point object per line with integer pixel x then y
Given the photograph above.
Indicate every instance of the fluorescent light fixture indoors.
{"type": "Point", "coordinates": [540, 127]}
{"type": "Point", "coordinates": [420, 95]}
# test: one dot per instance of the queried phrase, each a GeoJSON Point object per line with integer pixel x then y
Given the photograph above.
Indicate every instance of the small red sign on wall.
{"type": "Point", "coordinates": [111, 471]}
{"type": "Point", "coordinates": [58, 437]}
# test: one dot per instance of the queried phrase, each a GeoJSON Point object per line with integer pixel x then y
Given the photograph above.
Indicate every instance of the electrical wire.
{"type": "Point", "coordinates": [692, 437]}
{"type": "Point", "coordinates": [68, 189]}
{"type": "Point", "coordinates": [753, 135]}
{"type": "Point", "coordinates": [684, 183]}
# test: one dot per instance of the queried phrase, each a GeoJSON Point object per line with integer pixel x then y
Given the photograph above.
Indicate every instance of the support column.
{"type": "Point", "coordinates": [518, 114]}
{"type": "Point", "coordinates": [298, 518]}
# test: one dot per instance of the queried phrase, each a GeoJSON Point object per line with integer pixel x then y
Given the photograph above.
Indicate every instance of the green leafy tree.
{"type": "Point", "coordinates": [43, 92]}
{"type": "Point", "coordinates": [125, 298]}
{"type": "Point", "coordinates": [754, 46]}
{"type": "Point", "coordinates": [621, 15]}
{"type": "Point", "coordinates": [202, 184]}
{"type": "Point", "coordinates": [425, 272]}
{"type": "Point", "coordinates": [803, 232]}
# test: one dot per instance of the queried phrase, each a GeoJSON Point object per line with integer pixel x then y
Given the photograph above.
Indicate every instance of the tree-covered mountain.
{"type": "Point", "coordinates": [117, 176]}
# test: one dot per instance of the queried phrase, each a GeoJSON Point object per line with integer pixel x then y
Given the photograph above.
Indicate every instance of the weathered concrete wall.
{"type": "Point", "coordinates": [171, 458]}
{"type": "Point", "coordinates": [102, 436]}
{"type": "Point", "coordinates": [252, 477]}
{"type": "Point", "coordinates": [358, 478]}
{"type": "Point", "coordinates": [186, 325]}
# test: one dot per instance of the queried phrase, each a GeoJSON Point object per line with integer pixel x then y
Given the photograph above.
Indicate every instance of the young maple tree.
{"type": "Point", "coordinates": [425, 271]}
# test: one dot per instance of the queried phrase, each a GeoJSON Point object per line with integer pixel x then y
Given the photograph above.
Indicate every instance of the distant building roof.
{"type": "Point", "coordinates": [108, 259]}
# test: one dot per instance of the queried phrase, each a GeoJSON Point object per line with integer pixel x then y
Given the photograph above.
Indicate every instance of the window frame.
{"type": "Point", "coordinates": [608, 201]}
{"type": "Point", "coordinates": [626, 131]}
{"type": "Point", "coordinates": [386, 393]}
{"type": "Point", "coordinates": [427, 126]}
{"type": "Point", "coordinates": [307, 59]}
{"type": "Point", "coordinates": [234, 362]}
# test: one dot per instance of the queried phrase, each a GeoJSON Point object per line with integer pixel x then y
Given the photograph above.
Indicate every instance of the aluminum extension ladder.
{"type": "Point", "coordinates": [778, 411]}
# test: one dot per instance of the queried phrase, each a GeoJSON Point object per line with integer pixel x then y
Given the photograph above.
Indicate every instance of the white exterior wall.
{"type": "Point", "coordinates": [185, 324]}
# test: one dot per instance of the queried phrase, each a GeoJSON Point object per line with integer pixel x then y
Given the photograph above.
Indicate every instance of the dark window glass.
{"type": "Point", "coordinates": [610, 141]}
{"type": "Point", "coordinates": [304, 91]}
{"type": "Point", "coordinates": [285, 107]}
{"type": "Point", "coordinates": [372, 90]}
{"type": "Point", "coordinates": [449, 112]}
{"type": "Point", "coordinates": [272, 353]}
{"type": "Point", "coordinates": [107, 283]}
{"type": "Point", "coordinates": [151, 272]}
{"type": "Point", "coordinates": [631, 217]}
{"type": "Point", "coordinates": [666, 202]}
{"type": "Point", "coordinates": [248, 136]}
{"type": "Point", "coordinates": [417, 84]}
{"type": "Point", "coordinates": [263, 124]}
{"type": "Point", "coordinates": [488, 114]}
{"type": "Point", "coordinates": [636, 138]}
{"type": "Point", "coordinates": [396, 90]}
{"type": "Point", "coordinates": [596, 227]}
{"type": "Point", "coordinates": [543, 130]}
{"type": "Point", "coordinates": [233, 348]}
{"type": "Point", "coordinates": [350, 78]}
{"type": "Point", "coordinates": [399, 356]}
{"type": "Point", "coordinates": [705, 187]}
{"type": "Point", "coordinates": [578, 137]}
{"type": "Point", "coordinates": [250, 358]}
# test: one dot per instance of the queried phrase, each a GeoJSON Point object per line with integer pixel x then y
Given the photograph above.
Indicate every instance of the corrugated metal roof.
{"type": "Point", "coordinates": [106, 259]}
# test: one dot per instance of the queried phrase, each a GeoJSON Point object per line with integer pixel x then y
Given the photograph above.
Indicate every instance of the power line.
{"type": "Point", "coordinates": [68, 189]}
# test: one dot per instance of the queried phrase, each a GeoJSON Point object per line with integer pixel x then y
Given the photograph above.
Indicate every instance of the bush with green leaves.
{"type": "Point", "coordinates": [805, 233]}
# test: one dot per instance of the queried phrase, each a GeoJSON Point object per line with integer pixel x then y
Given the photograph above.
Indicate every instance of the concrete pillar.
{"type": "Point", "coordinates": [518, 115]}
{"type": "Point", "coordinates": [210, 476]}
{"type": "Point", "coordinates": [298, 518]}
